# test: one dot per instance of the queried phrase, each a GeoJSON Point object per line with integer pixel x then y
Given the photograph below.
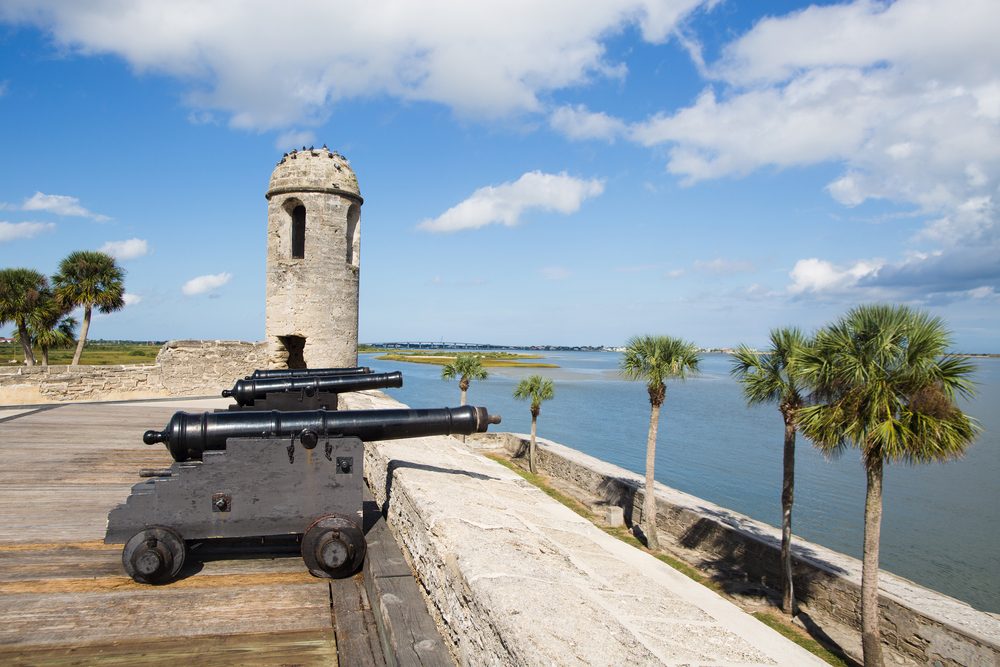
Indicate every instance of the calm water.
{"type": "Point", "coordinates": [941, 523]}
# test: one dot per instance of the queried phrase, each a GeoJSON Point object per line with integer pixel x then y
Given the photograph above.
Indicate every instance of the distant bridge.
{"type": "Point", "coordinates": [438, 345]}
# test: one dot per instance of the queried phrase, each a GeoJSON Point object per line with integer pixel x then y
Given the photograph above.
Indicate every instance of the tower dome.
{"type": "Point", "coordinates": [313, 261]}
{"type": "Point", "coordinates": [314, 170]}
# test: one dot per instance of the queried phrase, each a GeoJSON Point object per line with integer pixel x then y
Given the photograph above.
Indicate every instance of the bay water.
{"type": "Point", "coordinates": [941, 522]}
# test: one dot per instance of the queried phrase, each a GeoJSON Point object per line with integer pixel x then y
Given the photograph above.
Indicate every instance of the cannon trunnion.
{"type": "Point", "coordinates": [262, 474]}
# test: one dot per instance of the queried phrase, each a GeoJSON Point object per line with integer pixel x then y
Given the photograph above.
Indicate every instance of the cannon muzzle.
{"type": "Point", "coordinates": [188, 435]}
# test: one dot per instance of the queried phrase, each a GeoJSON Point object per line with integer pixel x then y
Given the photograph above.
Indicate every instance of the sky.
{"type": "Point", "coordinates": [550, 172]}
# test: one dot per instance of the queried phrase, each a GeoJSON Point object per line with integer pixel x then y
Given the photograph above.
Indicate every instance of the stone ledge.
{"type": "Point", "coordinates": [518, 578]}
{"type": "Point", "coordinates": [922, 624]}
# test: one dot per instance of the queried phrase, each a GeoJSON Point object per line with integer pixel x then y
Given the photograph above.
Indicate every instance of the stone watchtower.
{"type": "Point", "coordinates": [313, 261]}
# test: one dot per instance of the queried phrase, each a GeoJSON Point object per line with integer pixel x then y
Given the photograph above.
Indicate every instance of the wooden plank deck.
{"type": "Point", "coordinates": [65, 600]}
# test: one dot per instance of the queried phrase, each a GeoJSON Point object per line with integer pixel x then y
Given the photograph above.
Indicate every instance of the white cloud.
{"type": "Point", "coordinates": [10, 231]}
{"type": "Point", "coordinates": [984, 292]}
{"type": "Point", "coordinates": [480, 58]}
{"type": "Point", "coordinates": [970, 221]}
{"type": "Point", "coordinates": [201, 117]}
{"type": "Point", "coordinates": [60, 205]}
{"type": "Point", "coordinates": [131, 299]}
{"type": "Point", "coordinates": [888, 89]}
{"type": "Point", "coordinates": [125, 250]}
{"type": "Point", "coordinates": [675, 273]}
{"type": "Point", "coordinates": [927, 35]}
{"type": "Point", "coordinates": [555, 273]}
{"type": "Point", "coordinates": [904, 96]}
{"type": "Point", "coordinates": [206, 283]}
{"type": "Point", "coordinates": [724, 266]}
{"type": "Point", "coordinates": [294, 139]}
{"type": "Point", "coordinates": [817, 275]}
{"type": "Point", "coordinates": [576, 122]}
{"type": "Point", "coordinates": [505, 203]}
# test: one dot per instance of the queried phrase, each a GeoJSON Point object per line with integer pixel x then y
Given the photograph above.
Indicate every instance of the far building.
{"type": "Point", "coordinates": [313, 261]}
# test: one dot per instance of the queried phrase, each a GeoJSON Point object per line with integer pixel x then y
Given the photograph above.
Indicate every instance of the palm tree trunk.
{"type": "Point", "coordinates": [22, 333]}
{"type": "Point", "coordinates": [871, 638]}
{"type": "Point", "coordinates": [787, 498]}
{"type": "Point", "coordinates": [463, 397]}
{"type": "Point", "coordinates": [649, 500]}
{"type": "Point", "coordinates": [532, 465]}
{"type": "Point", "coordinates": [83, 336]}
{"type": "Point", "coordinates": [45, 355]}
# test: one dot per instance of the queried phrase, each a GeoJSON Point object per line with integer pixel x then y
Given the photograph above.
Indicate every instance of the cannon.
{"type": "Point", "coordinates": [305, 372]}
{"type": "Point", "coordinates": [265, 474]}
{"type": "Point", "coordinates": [306, 392]}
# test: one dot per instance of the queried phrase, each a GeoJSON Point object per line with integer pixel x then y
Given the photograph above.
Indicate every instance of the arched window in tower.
{"type": "Point", "coordinates": [299, 232]}
{"type": "Point", "coordinates": [354, 235]}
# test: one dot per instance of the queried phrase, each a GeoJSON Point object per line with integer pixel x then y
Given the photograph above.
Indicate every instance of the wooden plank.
{"type": "Point", "coordinates": [263, 650]}
{"type": "Point", "coordinates": [26, 562]}
{"type": "Point", "coordinates": [64, 599]}
{"type": "Point", "coordinates": [408, 632]}
{"type": "Point", "coordinates": [74, 618]}
{"type": "Point", "coordinates": [354, 625]}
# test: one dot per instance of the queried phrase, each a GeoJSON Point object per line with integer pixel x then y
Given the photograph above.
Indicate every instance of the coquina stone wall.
{"type": "Point", "coordinates": [919, 625]}
{"type": "Point", "coordinates": [182, 368]}
{"type": "Point", "coordinates": [193, 367]}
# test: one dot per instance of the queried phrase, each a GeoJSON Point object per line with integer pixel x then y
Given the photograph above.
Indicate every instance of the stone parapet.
{"type": "Point", "coordinates": [182, 368]}
{"type": "Point", "coordinates": [516, 578]}
{"type": "Point", "coordinates": [192, 367]}
{"type": "Point", "coordinates": [919, 625]}
{"type": "Point", "coordinates": [57, 384]}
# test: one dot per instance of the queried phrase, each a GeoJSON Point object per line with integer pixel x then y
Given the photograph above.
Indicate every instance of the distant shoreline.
{"type": "Point", "coordinates": [489, 359]}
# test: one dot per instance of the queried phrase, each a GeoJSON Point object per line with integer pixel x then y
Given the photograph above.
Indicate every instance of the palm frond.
{"type": "Point", "coordinates": [655, 359]}
{"type": "Point", "coordinates": [883, 383]}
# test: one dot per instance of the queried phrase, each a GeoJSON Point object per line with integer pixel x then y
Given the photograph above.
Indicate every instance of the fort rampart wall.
{"type": "Point", "coordinates": [919, 625]}
{"type": "Point", "coordinates": [182, 368]}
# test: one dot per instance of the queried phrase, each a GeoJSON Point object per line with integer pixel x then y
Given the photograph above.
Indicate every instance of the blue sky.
{"type": "Point", "coordinates": [533, 172]}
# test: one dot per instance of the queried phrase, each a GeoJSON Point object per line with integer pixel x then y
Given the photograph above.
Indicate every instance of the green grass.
{"type": "Point", "coordinates": [775, 622]}
{"type": "Point", "coordinates": [490, 359]}
{"type": "Point", "coordinates": [94, 354]}
{"type": "Point", "coordinates": [797, 635]}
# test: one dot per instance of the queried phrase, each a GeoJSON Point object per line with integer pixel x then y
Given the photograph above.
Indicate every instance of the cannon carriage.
{"type": "Point", "coordinates": [265, 474]}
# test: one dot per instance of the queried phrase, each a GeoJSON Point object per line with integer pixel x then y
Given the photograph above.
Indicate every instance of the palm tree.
{"type": "Point", "coordinates": [90, 279]}
{"type": "Point", "coordinates": [654, 360]}
{"type": "Point", "coordinates": [466, 367]}
{"type": "Point", "coordinates": [883, 383]}
{"type": "Point", "coordinates": [770, 378]}
{"type": "Point", "coordinates": [51, 327]}
{"type": "Point", "coordinates": [21, 290]}
{"type": "Point", "coordinates": [536, 389]}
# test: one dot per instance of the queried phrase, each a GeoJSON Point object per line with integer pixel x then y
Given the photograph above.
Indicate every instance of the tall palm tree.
{"type": "Point", "coordinates": [536, 389]}
{"type": "Point", "coordinates": [466, 367]}
{"type": "Point", "coordinates": [90, 279]}
{"type": "Point", "coordinates": [654, 360]}
{"type": "Point", "coordinates": [21, 291]}
{"type": "Point", "coordinates": [883, 383]}
{"type": "Point", "coordinates": [770, 378]}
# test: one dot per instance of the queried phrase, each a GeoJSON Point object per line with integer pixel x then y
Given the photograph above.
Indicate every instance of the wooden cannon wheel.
{"type": "Point", "coordinates": [333, 547]}
{"type": "Point", "coordinates": [154, 555]}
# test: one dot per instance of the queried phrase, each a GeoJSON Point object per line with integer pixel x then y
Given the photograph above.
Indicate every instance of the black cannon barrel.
{"type": "Point", "coordinates": [247, 391]}
{"type": "Point", "coordinates": [187, 434]}
{"type": "Point", "coordinates": [305, 372]}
